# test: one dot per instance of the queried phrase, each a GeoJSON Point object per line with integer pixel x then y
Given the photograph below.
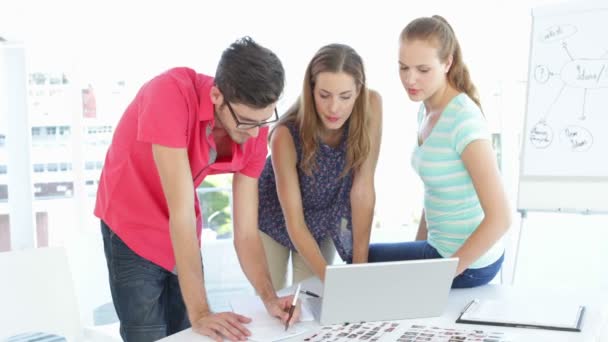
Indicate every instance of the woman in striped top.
{"type": "Point", "coordinates": [466, 212]}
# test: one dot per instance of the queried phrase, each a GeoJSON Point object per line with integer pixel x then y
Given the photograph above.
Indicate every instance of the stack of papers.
{"type": "Point", "coordinates": [263, 327]}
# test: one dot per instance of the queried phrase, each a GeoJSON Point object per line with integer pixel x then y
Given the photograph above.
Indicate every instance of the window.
{"type": "Point", "coordinates": [52, 167]}
{"type": "Point", "coordinates": [215, 196]}
{"type": "Point", "coordinates": [55, 80]}
{"type": "Point", "coordinates": [37, 78]}
{"type": "Point", "coordinates": [64, 130]}
{"type": "Point", "coordinates": [51, 130]}
{"type": "Point", "coordinates": [3, 193]}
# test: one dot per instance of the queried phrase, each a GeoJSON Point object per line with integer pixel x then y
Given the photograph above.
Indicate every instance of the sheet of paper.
{"type": "Point", "coordinates": [532, 311]}
{"type": "Point", "coordinates": [264, 327]}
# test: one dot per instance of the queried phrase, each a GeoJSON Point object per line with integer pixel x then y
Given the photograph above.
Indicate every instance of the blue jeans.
{"type": "Point", "coordinates": [147, 297]}
{"type": "Point", "coordinates": [416, 250]}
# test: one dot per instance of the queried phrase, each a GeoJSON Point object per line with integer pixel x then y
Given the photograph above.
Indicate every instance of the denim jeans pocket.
{"type": "Point", "coordinates": [129, 268]}
{"type": "Point", "coordinates": [485, 273]}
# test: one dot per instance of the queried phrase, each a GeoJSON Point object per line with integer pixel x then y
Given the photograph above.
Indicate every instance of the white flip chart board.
{"type": "Point", "coordinates": [564, 157]}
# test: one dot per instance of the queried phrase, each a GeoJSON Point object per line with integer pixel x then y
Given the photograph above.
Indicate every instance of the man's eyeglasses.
{"type": "Point", "coordinates": [250, 125]}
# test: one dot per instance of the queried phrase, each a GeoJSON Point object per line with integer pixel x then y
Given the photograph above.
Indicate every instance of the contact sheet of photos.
{"type": "Point", "coordinates": [394, 331]}
{"type": "Point", "coordinates": [437, 334]}
{"type": "Point", "coordinates": [364, 331]}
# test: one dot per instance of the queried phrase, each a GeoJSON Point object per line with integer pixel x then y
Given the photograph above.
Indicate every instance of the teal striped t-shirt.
{"type": "Point", "coordinates": [451, 206]}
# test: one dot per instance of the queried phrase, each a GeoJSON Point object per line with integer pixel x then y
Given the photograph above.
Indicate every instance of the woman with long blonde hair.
{"type": "Point", "coordinates": [317, 188]}
{"type": "Point", "coordinates": [466, 212]}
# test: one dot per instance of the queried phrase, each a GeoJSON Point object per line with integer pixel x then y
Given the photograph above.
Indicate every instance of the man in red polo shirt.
{"type": "Point", "coordinates": [181, 127]}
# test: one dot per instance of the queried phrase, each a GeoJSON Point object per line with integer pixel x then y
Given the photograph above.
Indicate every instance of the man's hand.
{"type": "Point", "coordinates": [279, 307]}
{"type": "Point", "coordinates": [223, 325]}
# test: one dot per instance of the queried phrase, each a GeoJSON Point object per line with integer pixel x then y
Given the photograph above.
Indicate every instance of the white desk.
{"type": "Point", "coordinates": [594, 327]}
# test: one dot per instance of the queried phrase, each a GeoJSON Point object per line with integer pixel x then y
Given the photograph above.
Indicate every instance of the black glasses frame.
{"type": "Point", "coordinates": [250, 125]}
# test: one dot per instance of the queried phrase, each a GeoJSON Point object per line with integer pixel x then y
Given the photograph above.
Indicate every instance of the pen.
{"type": "Point", "coordinates": [293, 307]}
{"type": "Point", "coordinates": [312, 294]}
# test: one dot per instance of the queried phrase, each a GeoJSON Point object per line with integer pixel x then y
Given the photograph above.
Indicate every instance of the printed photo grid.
{"type": "Point", "coordinates": [364, 331]}
{"type": "Point", "coordinates": [438, 334]}
{"type": "Point", "coordinates": [394, 331]}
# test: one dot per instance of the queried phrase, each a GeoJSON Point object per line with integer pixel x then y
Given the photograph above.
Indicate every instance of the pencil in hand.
{"type": "Point", "coordinates": [292, 307]}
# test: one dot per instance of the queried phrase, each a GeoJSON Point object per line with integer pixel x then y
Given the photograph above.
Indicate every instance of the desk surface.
{"type": "Point", "coordinates": [594, 327]}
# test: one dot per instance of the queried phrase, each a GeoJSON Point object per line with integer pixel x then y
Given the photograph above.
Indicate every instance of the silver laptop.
{"type": "Point", "coordinates": [384, 291]}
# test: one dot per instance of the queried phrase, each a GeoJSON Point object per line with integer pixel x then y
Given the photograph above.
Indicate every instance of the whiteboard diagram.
{"type": "Point", "coordinates": [567, 111]}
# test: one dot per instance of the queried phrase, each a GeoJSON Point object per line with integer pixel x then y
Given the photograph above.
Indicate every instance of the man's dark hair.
{"type": "Point", "coordinates": [250, 74]}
